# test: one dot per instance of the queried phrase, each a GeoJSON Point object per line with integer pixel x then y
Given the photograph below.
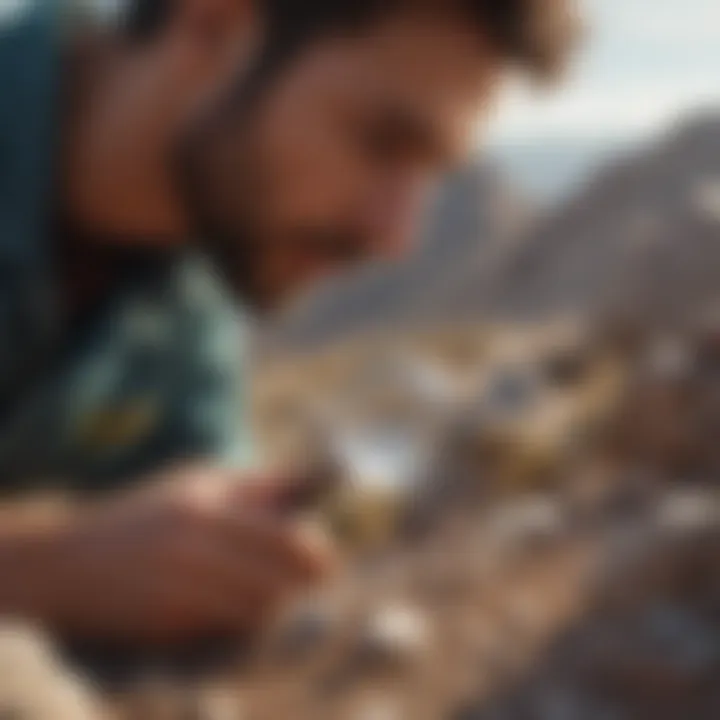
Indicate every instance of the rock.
{"type": "Point", "coordinates": [558, 702]}
{"type": "Point", "coordinates": [705, 199]}
{"type": "Point", "coordinates": [25, 650]}
{"type": "Point", "coordinates": [395, 635]}
{"type": "Point", "coordinates": [366, 516]}
{"type": "Point", "coordinates": [467, 711]}
{"type": "Point", "coordinates": [527, 523]}
{"type": "Point", "coordinates": [34, 685]}
{"type": "Point", "coordinates": [157, 697]}
{"type": "Point", "coordinates": [690, 645]}
{"type": "Point", "coordinates": [689, 511]}
{"type": "Point", "coordinates": [376, 708]}
{"type": "Point", "coordinates": [302, 630]}
{"type": "Point", "coordinates": [510, 391]}
{"type": "Point", "coordinates": [670, 359]}
{"type": "Point", "coordinates": [218, 703]}
{"type": "Point", "coordinates": [567, 367]}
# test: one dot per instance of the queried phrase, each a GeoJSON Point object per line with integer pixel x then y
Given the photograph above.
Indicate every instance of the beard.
{"type": "Point", "coordinates": [228, 192]}
{"type": "Point", "coordinates": [227, 188]}
{"type": "Point", "coordinates": [228, 198]}
{"type": "Point", "coordinates": [227, 234]}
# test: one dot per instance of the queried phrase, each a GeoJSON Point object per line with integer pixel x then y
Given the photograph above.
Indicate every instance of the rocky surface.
{"type": "Point", "coordinates": [588, 591]}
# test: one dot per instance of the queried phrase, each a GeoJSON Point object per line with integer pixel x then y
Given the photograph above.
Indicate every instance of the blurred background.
{"type": "Point", "coordinates": [527, 410]}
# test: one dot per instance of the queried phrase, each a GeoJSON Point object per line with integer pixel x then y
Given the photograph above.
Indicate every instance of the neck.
{"type": "Point", "coordinates": [116, 179]}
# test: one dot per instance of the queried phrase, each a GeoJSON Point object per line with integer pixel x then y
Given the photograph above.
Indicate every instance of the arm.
{"type": "Point", "coordinates": [29, 531]}
{"type": "Point", "coordinates": [193, 554]}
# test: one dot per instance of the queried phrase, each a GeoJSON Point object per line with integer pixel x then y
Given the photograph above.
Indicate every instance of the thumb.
{"type": "Point", "coordinates": [288, 492]}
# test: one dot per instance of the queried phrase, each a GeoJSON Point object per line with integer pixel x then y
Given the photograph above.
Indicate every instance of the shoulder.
{"type": "Point", "coordinates": [215, 342]}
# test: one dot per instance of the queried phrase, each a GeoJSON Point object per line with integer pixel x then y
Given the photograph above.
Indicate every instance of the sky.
{"type": "Point", "coordinates": [643, 64]}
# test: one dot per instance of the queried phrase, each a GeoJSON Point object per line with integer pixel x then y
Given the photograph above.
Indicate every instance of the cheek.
{"type": "Point", "coordinates": [318, 175]}
{"type": "Point", "coordinates": [397, 207]}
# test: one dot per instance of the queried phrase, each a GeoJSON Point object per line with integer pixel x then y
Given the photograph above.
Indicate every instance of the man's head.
{"type": "Point", "coordinates": [312, 129]}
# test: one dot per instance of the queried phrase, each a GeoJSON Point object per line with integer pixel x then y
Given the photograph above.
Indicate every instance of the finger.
{"type": "Point", "coordinates": [187, 610]}
{"type": "Point", "coordinates": [236, 583]}
{"type": "Point", "coordinates": [297, 548]}
{"type": "Point", "coordinates": [287, 492]}
{"type": "Point", "coordinates": [280, 495]}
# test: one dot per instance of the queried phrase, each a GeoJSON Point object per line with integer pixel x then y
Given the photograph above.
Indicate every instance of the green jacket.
{"type": "Point", "coordinates": [156, 373]}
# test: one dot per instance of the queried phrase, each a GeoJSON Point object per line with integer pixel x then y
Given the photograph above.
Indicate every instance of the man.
{"type": "Point", "coordinates": [161, 180]}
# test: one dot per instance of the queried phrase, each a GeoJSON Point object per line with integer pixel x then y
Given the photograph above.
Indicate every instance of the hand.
{"type": "Point", "coordinates": [195, 553]}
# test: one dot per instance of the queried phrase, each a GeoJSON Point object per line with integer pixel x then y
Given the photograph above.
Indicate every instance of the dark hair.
{"type": "Point", "coordinates": [536, 35]}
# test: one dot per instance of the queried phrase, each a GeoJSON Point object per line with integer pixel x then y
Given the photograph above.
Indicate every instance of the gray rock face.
{"type": "Point", "coordinates": [641, 238]}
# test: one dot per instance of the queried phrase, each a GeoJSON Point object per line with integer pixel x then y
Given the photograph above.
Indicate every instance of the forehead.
{"type": "Point", "coordinates": [436, 65]}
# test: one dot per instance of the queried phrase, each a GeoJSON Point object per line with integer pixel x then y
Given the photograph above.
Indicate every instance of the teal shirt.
{"type": "Point", "coordinates": [154, 376]}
